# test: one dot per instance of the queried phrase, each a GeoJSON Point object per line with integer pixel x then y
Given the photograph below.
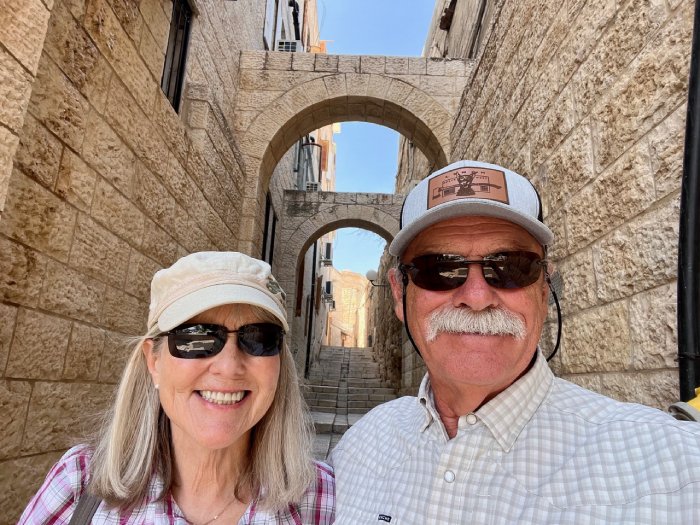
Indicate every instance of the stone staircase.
{"type": "Point", "coordinates": [343, 385]}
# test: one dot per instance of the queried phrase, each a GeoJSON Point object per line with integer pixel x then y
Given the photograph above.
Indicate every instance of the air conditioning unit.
{"type": "Point", "coordinates": [290, 46]}
{"type": "Point", "coordinates": [312, 186]}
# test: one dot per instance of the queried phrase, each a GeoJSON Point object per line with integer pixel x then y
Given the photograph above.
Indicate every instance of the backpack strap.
{"type": "Point", "coordinates": [87, 506]}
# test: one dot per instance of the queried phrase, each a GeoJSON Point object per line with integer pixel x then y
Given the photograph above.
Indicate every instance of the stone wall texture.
{"type": "Point", "coordinates": [102, 183]}
{"type": "Point", "coordinates": [23, 26]}
{"type": "Point", "coordinates": [587, 100]}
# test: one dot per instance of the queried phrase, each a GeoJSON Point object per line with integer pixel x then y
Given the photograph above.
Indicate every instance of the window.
{"type": "Point", "coordinates": [269, 231]}
{"type": "Point", "coordinates": [326, 255]}
{"type": "Point", "coordinates": [176, 55]}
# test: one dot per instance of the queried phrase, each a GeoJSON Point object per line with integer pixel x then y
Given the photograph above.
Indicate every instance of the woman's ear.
{"type": "Point", "coordinates": [152, 358]}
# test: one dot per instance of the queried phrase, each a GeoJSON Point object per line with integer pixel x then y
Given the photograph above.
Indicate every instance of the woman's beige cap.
{"type": "Point", "coordinates": [204, 280]}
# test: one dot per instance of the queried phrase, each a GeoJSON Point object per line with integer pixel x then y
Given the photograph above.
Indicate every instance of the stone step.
{"type": "Point", "coordinates": [328, 382]}
{"type": "Point", "coordinates": [320, 388]}
{"type": "Point", "coordinates": [348, 406]}
{"type": "Point", "coordinates": [321, 397]}
{"type": "Point", "coordinates": [327, 422]}
{"type": "Point", "coordinates": [315, 393]}
{"type": "Point", "coordinates": [325, 403]}
{"type": "Point", "coordinates": [367, 383]}
{"type": "Point", "coordinates": [371, 396]}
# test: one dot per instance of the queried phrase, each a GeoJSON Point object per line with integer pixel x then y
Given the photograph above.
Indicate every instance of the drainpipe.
{"type": "Point", "coordinates": [689, 238]}
{"type": "Point", "coordinates": [295, 18]}
{"type": "Point", "coordinates": [310, 330]}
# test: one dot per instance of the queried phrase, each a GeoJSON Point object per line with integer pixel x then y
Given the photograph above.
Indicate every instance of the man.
{"type": "Point", "coordinates": [493, 437]}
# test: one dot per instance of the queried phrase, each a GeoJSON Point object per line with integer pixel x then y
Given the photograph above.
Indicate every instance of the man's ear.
{"type": "Point", "coordinates": [396, 282]}
{"type": "Point", "coordinates": [152, 357]}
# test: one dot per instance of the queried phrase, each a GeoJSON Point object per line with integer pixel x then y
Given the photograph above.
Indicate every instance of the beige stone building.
{"type": "Point", "coordinates": [347, 320]}
{"type": "Point", "coordinates": [122, 149]}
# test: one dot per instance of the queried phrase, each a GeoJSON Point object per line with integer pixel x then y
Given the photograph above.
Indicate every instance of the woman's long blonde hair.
{"type": "Point", "coordinates": [134, 442]}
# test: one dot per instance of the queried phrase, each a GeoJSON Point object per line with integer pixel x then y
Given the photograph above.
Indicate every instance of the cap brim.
{"type": "Point", "coordinates": [203, 299]}
{"type": "Point", "coordinates": [472, 207]}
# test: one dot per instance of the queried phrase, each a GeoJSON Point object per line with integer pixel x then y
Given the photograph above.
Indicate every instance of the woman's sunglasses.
{"type": "Point", "coordinates": [506, 270]}
{"type": "Point", "coordinates": [198, 340]}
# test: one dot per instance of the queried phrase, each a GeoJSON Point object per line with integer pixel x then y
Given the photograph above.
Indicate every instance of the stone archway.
{"type": "Point", "coordinates": [309, 215]}
{"type": "Point", "coordinates": [283, 96]}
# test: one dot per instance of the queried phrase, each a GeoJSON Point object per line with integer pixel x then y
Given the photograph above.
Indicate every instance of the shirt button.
{"type": "Point", "coordinates": [449, 476]}
{"type": "Point", "coordinates": [471, 419]}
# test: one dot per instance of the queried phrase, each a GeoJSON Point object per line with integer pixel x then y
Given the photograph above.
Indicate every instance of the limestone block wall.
{"type": "Point", "coordinates": [23, 27]}
{"type": "Point", "coordinates": [108, 184]}
{"type": "Point", "coordinates": [467, 29]}
{"type": "Point", "coordinates": [386, 329]}
{"type": "Point", "coordinates": [587, 99]}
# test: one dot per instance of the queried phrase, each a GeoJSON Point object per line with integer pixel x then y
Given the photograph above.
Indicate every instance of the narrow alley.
{"type": "Point", "coordinates": [343, 385]}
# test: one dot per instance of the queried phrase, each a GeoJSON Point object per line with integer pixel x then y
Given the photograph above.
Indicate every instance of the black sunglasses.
{"type": "Point", "coordinates": [198, 340]}
{"type": "Point", "coordinates": [506, 270]}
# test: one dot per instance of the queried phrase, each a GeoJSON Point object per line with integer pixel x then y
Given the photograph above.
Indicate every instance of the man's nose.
{"type": "Point", "coordinates": [475, 292]}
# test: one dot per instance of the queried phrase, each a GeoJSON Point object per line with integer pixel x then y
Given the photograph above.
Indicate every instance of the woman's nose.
{"type": "Point", "coordinates": [232, 358]}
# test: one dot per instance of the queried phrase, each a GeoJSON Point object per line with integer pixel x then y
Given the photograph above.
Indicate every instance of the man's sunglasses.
{"type": "Point", "coordinates": [506, 270]}
{"type": "Point", "coordinates": [197, 340]}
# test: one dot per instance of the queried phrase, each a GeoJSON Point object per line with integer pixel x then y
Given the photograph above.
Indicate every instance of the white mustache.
{"type": "Point", "coordinates": [494, 321]}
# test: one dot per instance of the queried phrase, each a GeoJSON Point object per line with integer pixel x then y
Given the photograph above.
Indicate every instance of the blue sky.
{"type": "Point", "coordinates": [367, 154]}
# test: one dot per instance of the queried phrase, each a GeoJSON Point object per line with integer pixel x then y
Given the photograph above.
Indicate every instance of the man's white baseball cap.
{"type": "Point", "coordinates": [204, 280]}
{"type": "Point", "coordinates": [471, 188]}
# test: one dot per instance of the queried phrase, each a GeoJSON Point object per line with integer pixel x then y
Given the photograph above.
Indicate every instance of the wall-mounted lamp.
{"type": "Point", "coordinates": [372, 276]}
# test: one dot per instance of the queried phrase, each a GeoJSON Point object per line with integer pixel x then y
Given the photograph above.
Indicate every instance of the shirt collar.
{"type": "Point", "coordinates": [507, 414]}
{"type": "Point", "coordinates": [425, 398]}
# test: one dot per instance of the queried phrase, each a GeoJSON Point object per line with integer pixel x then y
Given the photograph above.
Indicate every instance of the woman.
{"type": "Point", "coordinates": [208, 423]}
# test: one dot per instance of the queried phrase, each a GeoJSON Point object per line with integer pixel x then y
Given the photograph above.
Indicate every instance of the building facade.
{"type": "Point", "coordinates": [348, 320]}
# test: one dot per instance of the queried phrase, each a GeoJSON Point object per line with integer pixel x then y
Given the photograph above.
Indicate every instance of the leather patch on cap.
{"type": "Point", "coordinates": [468, 183]}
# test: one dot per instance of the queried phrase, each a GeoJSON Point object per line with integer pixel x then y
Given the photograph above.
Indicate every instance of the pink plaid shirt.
{"type": "Point", "coordinates": [57, 499]}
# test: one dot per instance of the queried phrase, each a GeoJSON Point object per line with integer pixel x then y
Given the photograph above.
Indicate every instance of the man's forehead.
{"type": "Point", "coordinates": [483, 233]}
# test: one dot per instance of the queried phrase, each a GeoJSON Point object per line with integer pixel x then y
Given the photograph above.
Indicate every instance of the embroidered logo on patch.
{"type": "Point", "coordinates": [468, 183]}
{"type": "Point", "coordinates": [275, 288]}
{"type": "Point", "coordinates": [384, 517]}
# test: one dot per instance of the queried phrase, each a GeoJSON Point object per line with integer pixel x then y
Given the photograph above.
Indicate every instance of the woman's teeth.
{"type": "Point", "coordinates": [222, 398]}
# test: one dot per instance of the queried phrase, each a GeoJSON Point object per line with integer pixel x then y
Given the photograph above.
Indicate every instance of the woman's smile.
{"type": "Point", "coordinates": [223, 398]}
